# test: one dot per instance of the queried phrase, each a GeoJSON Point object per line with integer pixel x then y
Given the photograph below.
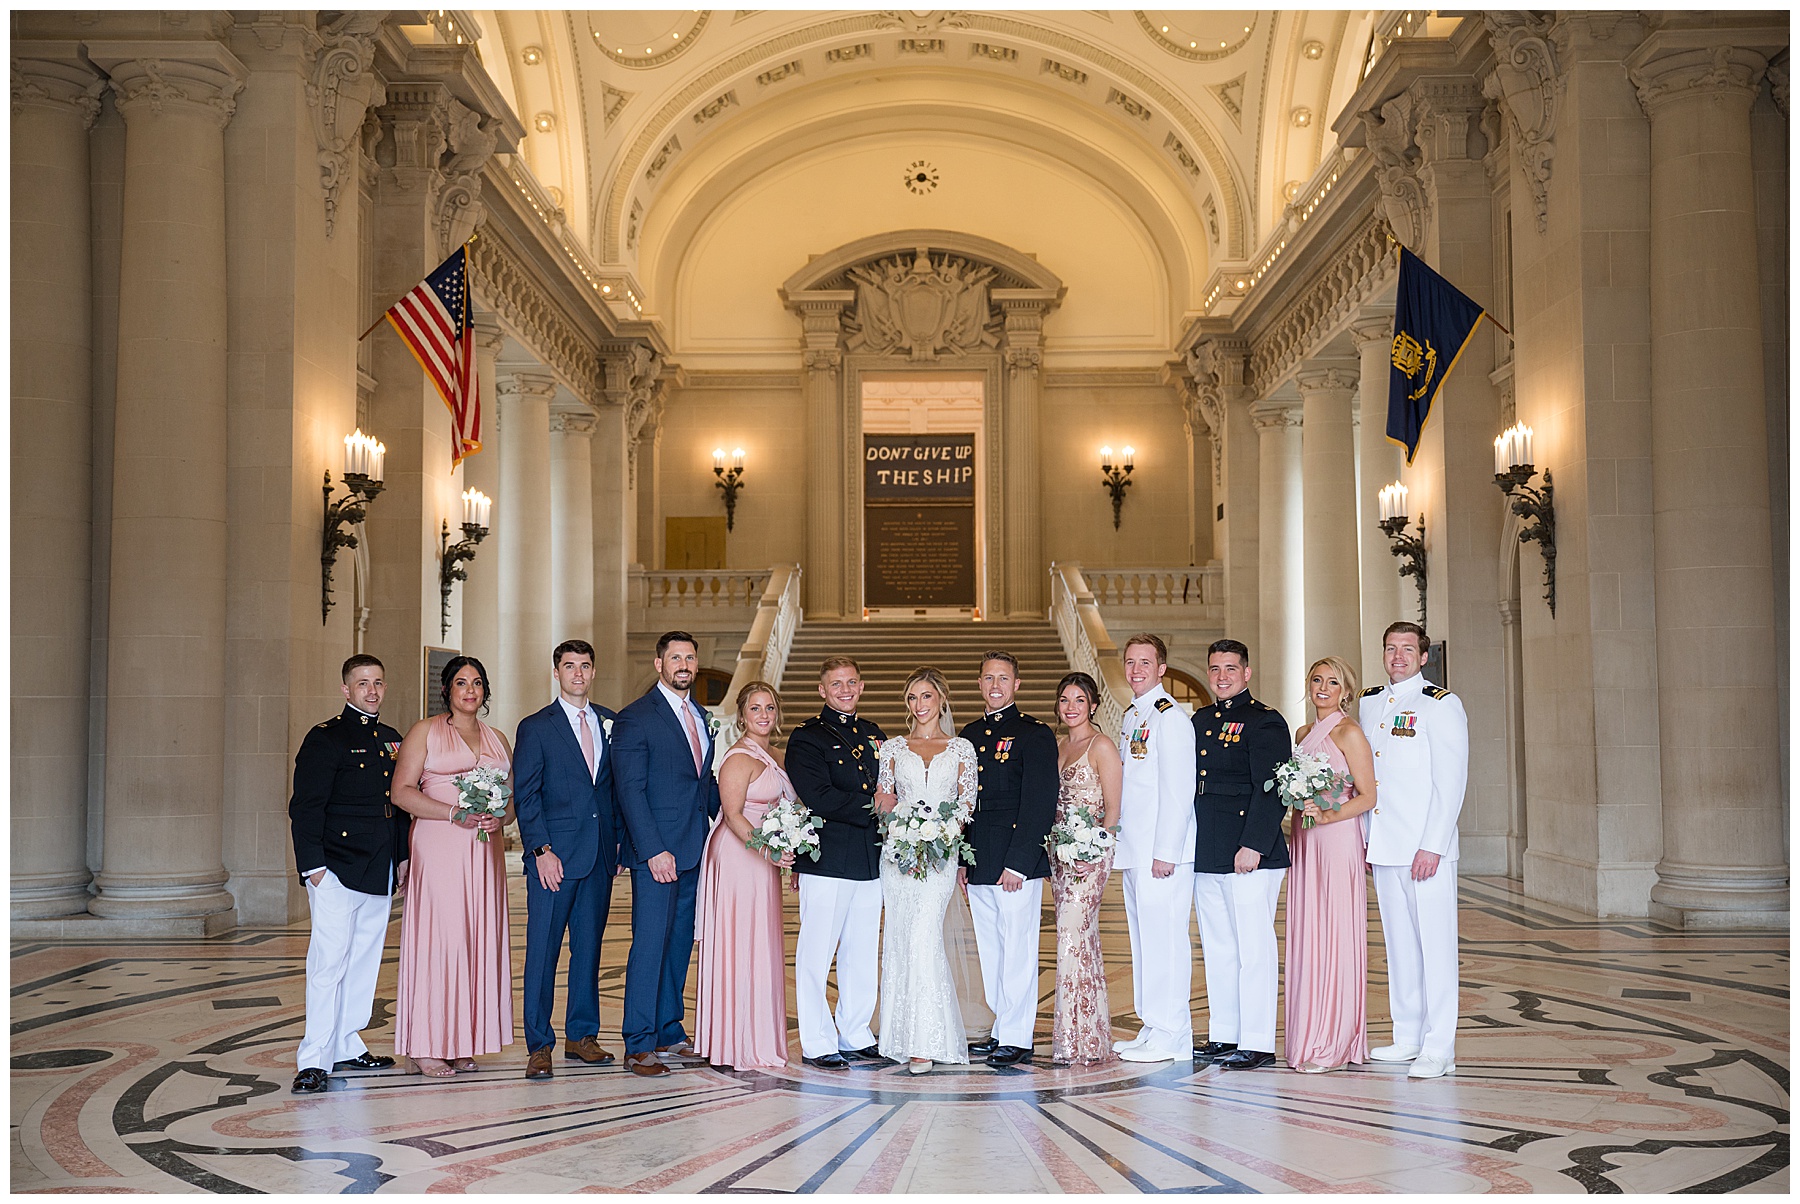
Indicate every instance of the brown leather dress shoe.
{"type": "Point", "coordinates": [681, 1049]}
{"type": "Point", "coordinates": [587, 1050]}
{"type": "Point", "coordinates": [645, 1064]}
{"type": "Point", "coordinates": [537, 1064]}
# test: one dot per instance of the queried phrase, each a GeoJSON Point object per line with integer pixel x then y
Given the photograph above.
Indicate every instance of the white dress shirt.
{"type": "Point", "coordinates": [591, 717]}
{"type": "Point", "coordinates": [678, 704]}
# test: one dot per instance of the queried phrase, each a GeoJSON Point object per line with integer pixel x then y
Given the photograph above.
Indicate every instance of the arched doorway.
{"type": "Point", "coordinates": [1186, 689]}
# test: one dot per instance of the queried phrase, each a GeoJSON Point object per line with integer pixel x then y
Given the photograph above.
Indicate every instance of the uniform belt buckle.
{"type": "Point", "coordinates": [387, 810]}
{"type": "Point", "coordinates": [1200, 788]}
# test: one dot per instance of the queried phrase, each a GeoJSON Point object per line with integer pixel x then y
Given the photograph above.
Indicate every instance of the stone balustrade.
{"type": "Point", "coordinates": [1190, 588]}
{"type": "Point", "coordinates": [696, 589]}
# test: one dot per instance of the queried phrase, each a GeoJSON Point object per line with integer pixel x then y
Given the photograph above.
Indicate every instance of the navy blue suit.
{"type": "Point", "coordinates": [560, 806]}
{"type": "Point", "coordinates": [667, 808]}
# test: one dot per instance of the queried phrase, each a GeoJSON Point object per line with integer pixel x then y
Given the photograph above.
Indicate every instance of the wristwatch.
{"type": "Point", "coordinates": [540, 850]}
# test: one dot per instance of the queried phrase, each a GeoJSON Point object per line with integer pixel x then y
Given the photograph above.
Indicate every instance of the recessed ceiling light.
{"type": "Point", "coordinates": [1165, 29]}
{"type": "Point", "coordinates": [1193, 45]}
{"type": "Point", "coordinates": [532, 56]}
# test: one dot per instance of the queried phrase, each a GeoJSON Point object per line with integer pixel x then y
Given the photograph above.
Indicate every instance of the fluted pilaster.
{"type": "Point", "coordinates": [523, 515]}
{"type": "Point", "coordinates": [1281, 590]}
{"type": "Point", "coordinates": [1333, 624]}
{"type": "Point", "coordinates": [571, 526]}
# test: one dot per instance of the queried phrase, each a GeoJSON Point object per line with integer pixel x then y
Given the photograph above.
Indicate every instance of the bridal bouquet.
{"type": "Point", "coordinates": [481, 791]}
{"type": "Point", "coordinates": [1309, 778]}
{"type": "Point", "coordinates": [924, 836]}
{"type": "Point", "coordinates": [1080, 836]}
{"type": "Point", "coordinates": [789, 827]}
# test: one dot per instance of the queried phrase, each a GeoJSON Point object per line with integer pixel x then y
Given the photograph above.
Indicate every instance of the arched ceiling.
{"type": "Point", "coordinates": [1182, 133]}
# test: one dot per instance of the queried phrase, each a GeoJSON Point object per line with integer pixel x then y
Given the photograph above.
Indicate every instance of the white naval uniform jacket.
{"type": "Point", "coordinates": [1419, 777]}
{"type": "Point", "coordinates": [1156, 806]}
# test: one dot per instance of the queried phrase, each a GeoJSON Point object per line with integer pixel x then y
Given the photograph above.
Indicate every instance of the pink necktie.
{"type": "Point", "coordinates": [587, 743]}
{"type": "Point", "coordinates": [693, 734]}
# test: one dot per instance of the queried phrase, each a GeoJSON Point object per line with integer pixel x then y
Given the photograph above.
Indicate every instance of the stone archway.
{"type": "Point", "coordinates": [923, 299]}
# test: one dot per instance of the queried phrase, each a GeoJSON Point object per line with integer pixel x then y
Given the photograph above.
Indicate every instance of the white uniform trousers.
{"type": "Point", "coordinates": [1157, 913]}
{"type": "Point", "coordinates": [838, 919]}
{"type": "Point", "coordinates": [1237, 943]}
{"type": "Point", "coordinates": [1418, 923]}
{"type": "Point", "coordinates": [1008, 926]}
{"type": "Point", "coordinates": [343, 958]}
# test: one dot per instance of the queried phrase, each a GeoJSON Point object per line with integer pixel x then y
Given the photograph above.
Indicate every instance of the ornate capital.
{"type": "Point", "coordinates": [340, 91]}
{"type": "Point", "coordinates": [822, 359]}
{"type": "Point", "coordinates": [1221, 360]}
{"type": "Point", "coordinates": [1778, 82]}
{"type": "Point", "coordinates": [1723, 73]}
{"type": "Point", "coordinates": [57, 84]}
{"type": "Point", "coordinates": [1443, 111]}
{"type": "Point", "coordinates": [1026, 358]}
{"type": "Point", "coordinates": [1375, 328]}
{"type": "Point", "coordinates": [1528, 84]}
{"type": "Point", "coordinates": [173, 77]}
{"type": "Point", "coordinates": [1403, 198]}
{"type": "Point", "coordinates": [517, 386]}
{"type": "Point", "coordinates": [1327, 378]}
{"type": "Point", "coordinates": [1273, 415]}
{"type": "Point", "coordinates": [576, 423]}
{"type": "Point", "coordinates": [440, 144]}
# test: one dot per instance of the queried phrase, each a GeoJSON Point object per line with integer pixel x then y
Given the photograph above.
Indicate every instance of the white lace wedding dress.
{"type": "Point", "coordinates": [920, 1017]}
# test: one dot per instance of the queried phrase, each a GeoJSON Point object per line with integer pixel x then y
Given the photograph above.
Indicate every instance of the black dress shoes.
{"type": "Point", "coordinates": [983, 1047]}
{"type": "Point", "coordinates": [1212, 1051]}
{"type": "Point", "coordinates": [830, 1061]}
{"type": "Point", "coordinates": [366, 1061]}
{"type": "Point", "coordinates": [1009, 1055]}
{"type": "Point", "coordinates": [311, 1081]}
{"type": "Point", "coordinates": [868, 1053]}
{"type": "Point", "coordinates": [1246, 1059]}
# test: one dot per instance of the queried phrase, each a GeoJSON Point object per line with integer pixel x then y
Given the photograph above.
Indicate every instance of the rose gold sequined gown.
{"type": "Point", "coordinates": [1082, 1028]}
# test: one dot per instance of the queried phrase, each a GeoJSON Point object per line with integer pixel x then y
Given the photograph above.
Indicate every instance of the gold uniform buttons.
{"type": "Point", "coordinates": [1202, 773]}
{"type": "Point", "coordinates": [1240, 813]}
{"type": "Point", "coordinates": [1203, 752]}
{"type": "Point", "coordinates": [343, 834]}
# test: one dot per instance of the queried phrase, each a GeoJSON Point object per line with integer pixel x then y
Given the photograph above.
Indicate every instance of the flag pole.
{"type": "Point", "coordinates": [378, 321]}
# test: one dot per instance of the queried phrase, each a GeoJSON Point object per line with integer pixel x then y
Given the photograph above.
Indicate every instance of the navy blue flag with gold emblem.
{"type": "Point", "coordinates": [1433, 322]}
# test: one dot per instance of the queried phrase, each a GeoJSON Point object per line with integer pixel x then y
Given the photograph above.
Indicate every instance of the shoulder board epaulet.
{"type": "Point", "coordinates": [1371, 691]}
{"type": "Point", "coordinates": [327, 723]}
{"type": "Point", "coordinates": [1164, 704]}
{"type": "Point", "coordinates": [1437, 692]}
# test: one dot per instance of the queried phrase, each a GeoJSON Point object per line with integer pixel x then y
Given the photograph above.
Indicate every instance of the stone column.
{"type": "Point", "coordinates": [612, 517]}
{"type": "Point", "coordinates": [1379, 464]}
{"type": "Point", "coordinates": [55, 101]}
{"type": "Point", "coordinates": [481, 592]}
{"type": "Point", "coordinates": [1022, 523]}
{"type": "Point", "coordinates": [824, 579]}
{"type": "Point", "coordinates": [1333, 594]}
{"type": "Point", "coordinates": [166, 725]}
{"type": "Point", "coordinates": [1281, 596]}
{"type": "Point", "coordinates": [571, 527]}
{"type": "Point", "coordinates": [646, 468]}
{"type": "Point", "coordinates": [1218, 366]}
{"type": "Point", "coordinates": [1722, 862]}
{"type": "Point", "coordinates": [523, 510]}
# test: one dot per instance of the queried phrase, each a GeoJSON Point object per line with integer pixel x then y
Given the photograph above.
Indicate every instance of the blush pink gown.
{"type": "Point", "coordinates": [455, 991]}
{"type": "Point", "coordinates": [741, 1006]}
{"type": "Point", "coordinates": [1327, 932]}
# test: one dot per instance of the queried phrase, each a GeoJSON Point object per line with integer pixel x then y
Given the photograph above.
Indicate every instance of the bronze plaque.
{"type": "Point", "coordinates": [919, 556]}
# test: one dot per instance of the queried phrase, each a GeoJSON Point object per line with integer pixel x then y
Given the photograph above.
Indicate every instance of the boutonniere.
{"type": "Point", "coordinates": [606, 728]}
{"type": "Point", "coordinates": [712, 723]}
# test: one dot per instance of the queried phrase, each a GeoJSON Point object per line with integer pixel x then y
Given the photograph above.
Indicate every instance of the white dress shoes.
{"type": "Point", "coordinates": [1133, 1043]}
{"type": "Point", "coordinates": [1149, 1052]}
{"type": "Point", "coordinates": [1394, 1053]}
{"type": "Point", "coordinates": [1431, 1068]}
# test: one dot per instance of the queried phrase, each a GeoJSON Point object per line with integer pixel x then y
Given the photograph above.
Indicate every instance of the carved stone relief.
{"type": "Point", "coordinates": [340, 93]}
{"type": "Point", "coordinates": [921, 306]}
{"type": "Point", "coordinates": [1403, 197]}
{"type": "Point", "coordinates": [1528, 83]}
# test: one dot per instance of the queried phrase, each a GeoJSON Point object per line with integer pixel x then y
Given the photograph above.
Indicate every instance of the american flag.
{"type": "Point", "coordinates": [434, 321]}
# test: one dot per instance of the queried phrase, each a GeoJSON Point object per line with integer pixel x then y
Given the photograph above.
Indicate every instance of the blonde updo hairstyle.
{"type": "Point", "coordinates": [1340, 668]}
{"type": "Point", "coordinates": [933, 677]}
{"type": "Point", "coordinates": [751, 690]}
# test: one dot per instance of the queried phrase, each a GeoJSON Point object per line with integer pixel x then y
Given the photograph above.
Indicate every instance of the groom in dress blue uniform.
{"type": "Point", "coordinates": [668, 796]}
{"type": "Point", "coordinates": [563, 792]}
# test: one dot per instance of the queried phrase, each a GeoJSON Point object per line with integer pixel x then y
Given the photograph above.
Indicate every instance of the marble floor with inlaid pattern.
{"type": "Point", "coordinates": [1594, 1055]}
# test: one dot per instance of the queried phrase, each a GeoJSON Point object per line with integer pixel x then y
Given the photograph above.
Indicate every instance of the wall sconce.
{"type": "Point", "coordinates": [365, 461]}
{"type": "Point", "coordinates": [730, 481]}
{"type": "Point", "coordinates": [1115, 480]}
{"type": "Point", "coordinates": [1512, 473]}
{"type": "Point", "coordinates": [1409, 550]}
{"type": "Point", "coordinates": [477, 507]}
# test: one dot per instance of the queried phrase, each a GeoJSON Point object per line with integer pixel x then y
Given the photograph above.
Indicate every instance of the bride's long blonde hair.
{"type": "Point", "coordinates": [933, 677]}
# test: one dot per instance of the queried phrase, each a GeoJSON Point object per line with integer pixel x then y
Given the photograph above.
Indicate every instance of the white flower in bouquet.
{"type": "Point", "coordinates": [920, 837]}
{"type": "Point", "coordinates": [789, 827]}
{"type": "Point", "coordinates": [1080, 836]}
{"type": "Point", "coordinates": [481, 791]}
{"type": "Point", "coordinates": [1309, 778]}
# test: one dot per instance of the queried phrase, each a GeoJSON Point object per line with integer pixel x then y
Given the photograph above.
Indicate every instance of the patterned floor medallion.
{"type": "Point", "coordinates": [1597, 1056]}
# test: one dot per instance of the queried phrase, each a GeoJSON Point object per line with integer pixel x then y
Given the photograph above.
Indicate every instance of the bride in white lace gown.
{"type": "Point", "coordinates": [921, 1021]}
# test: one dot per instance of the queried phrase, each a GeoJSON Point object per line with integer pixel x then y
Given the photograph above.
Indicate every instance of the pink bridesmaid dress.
{"type": "Point", "coordinates": [455, 992]}
{"type": "Point", "coordinates": [741, 1013]}
{"type": "Point", "coordinates": [1327, 932]}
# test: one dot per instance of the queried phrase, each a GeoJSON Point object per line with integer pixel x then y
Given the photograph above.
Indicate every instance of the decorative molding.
{"type": "Point", "coordinates": [457, 207]}
{"type": "Point", "coordinates": [1209, 209]}
{"type": "Point", "coordinates": [642, 62]}
{"type": "Point", "coordinates": [1231, 96]}
{"type": "Point", "coordinates": [921, 45]}
{"type": "Point", "coordinates": [1403, 196]}
{"type": "Point", "coordinates": [1274, 414]}
{"type": "Point", "coordinates": [613, 102]}
{"type": "Point", "coordinates": [1000, 54]}
{"type": "Point", "coordinates": [1173, 145]}
{"type": "Point", "coordinates": [1778, 82]}
{"type": "Point", "coordinates": [1127, 105]}
{"type": "Point", "coordinates": [1192, 54]}
{"type": "Point", "coordinates": [506, 288]}
{"type": "Point", "coordinates": [631, 229]}
{"type": "Point", "coordinates": [1330, 378]}
{"type": "Point", "coordinates": [1528, 85]}
{"type": "Point", "coordinates": [922, 306]}
{"type": "Point", "coordinates": [922, 22]}
{"type": "Point", "coordinates": [1103, 378]}
{"type": "Point", "coordinates": [55, 83]}
{"type": "Point", "coordinates": [1720, 71]}
{"type": "Point", "coordinates": [849, 54]}
{"type": "Point", "coordinates": [714, 107]}
{"type": "Point", "coordinates": [153, 83]}
{"type": "Point", "coordinates": [340, 93]}
{"type": "Point", "coordinates": [579, 423]}
{"type": "Point", "coordinates": [739, 380]}
{"type": "Point", "coordinates": [1360, 267]}
{"type": "Point", "coordinates": [775, 75]}
{"type": "Point", "coordinates": [669, 150]}
{"type": "Point", "coordinates": [1062, 71]}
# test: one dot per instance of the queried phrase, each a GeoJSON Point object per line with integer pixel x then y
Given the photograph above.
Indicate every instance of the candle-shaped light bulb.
{"type": "Point", "coordinates": [1129, 453]}
{"type": "Point", "coordinates": [379, 465]}
{"type": "Point", "coordinates": [737, 458]}
{"type": "Point", "coordinates": [1105, 459]}
{"type": "Point", "coordinates": [1525, 434]}
{"type": "Point", "coordinates": [1502, 458]}
{"type": "Point", "coordinates": [349, 454]}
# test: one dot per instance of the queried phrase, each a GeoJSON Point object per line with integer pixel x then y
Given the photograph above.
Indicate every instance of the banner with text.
{"type": "Point", "coordinates": [909, 469]}
{"type": "Point", "coordinates": [919, 520]}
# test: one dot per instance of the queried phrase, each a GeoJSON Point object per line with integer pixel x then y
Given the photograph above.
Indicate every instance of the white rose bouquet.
{"type": "Point", "coordinates": [1081, 836]}
{"type": "Point", "coordinates": [481, 791]}
{"type": "Point", "coordinates": [923, 836]}
{"type": "Point", "coordinates": [1309, 778]}
{"type": "Point", "coordinates": [789, 827]}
